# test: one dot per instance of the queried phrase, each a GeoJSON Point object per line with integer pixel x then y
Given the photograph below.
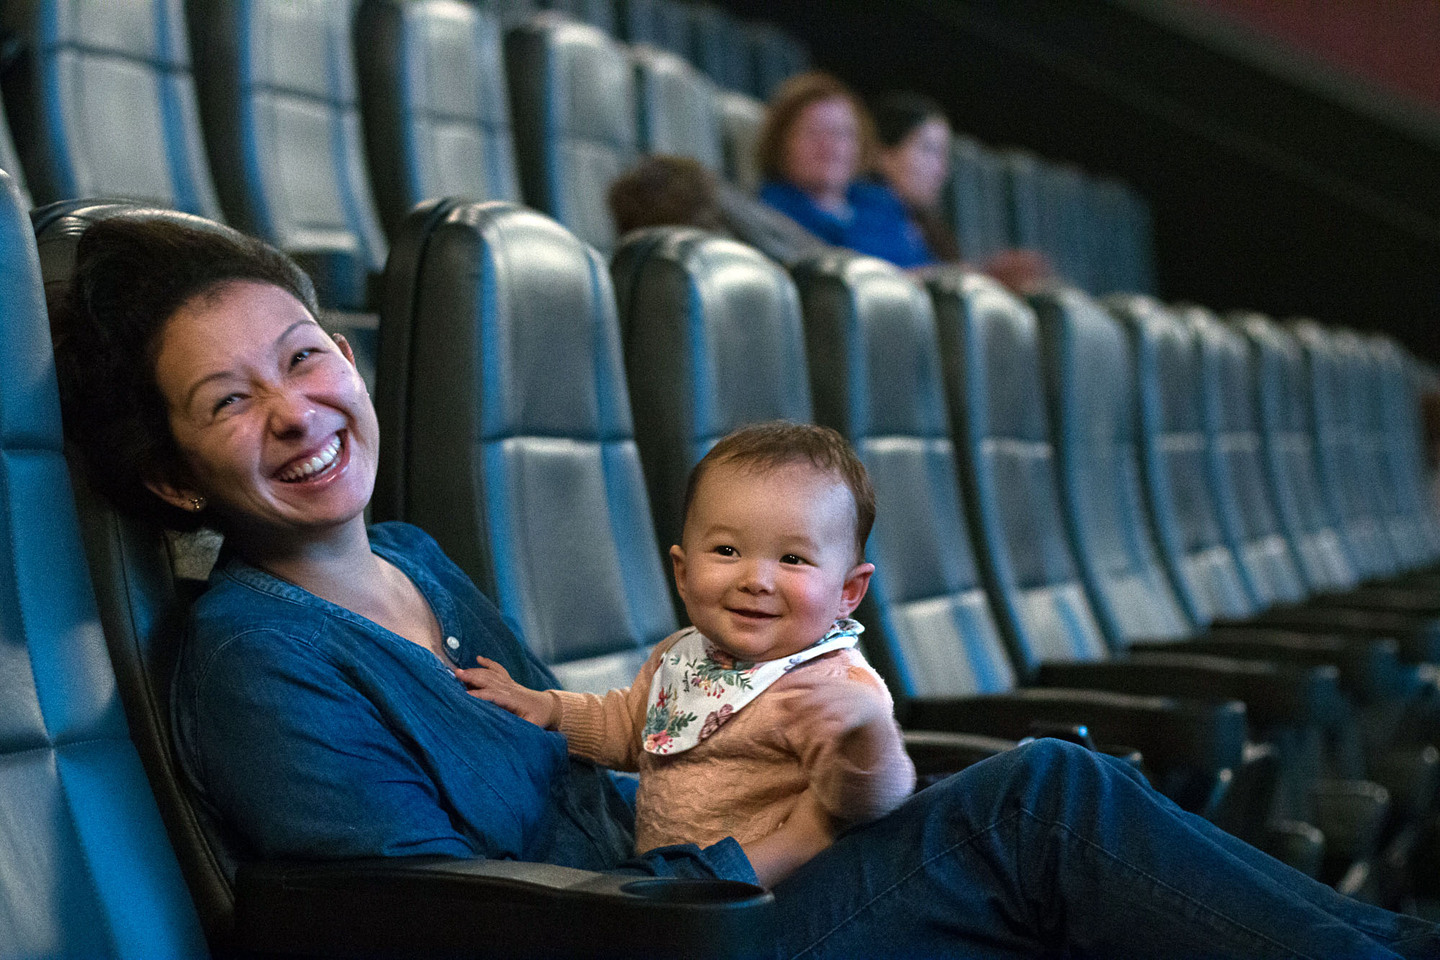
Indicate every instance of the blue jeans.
{"type": "Point", "coordinates": [1050, 849]}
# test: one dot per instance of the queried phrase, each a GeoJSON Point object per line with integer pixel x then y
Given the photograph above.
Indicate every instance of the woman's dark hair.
{"type": "Point", "coordinates": [131, 275]}
{"type": "Point", "coordinates": [789, 102]}
{"type": "Point", "coordinates": [899, 113]}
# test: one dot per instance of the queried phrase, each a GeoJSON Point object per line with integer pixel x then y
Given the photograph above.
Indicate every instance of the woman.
{"type": "Point", "coordinates": [913, 159]}
{"type": "Point", "coordinates": [317, 713]}
{"type": "Point", "coordinates": [815, 142]}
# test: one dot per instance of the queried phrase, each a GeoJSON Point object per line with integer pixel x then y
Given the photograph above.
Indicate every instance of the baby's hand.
{"type": "Point", "coordinates": [490, 681]}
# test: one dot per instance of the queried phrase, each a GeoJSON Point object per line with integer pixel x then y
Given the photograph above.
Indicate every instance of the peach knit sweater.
{"type": "Point", "coordinates": [744, 780]}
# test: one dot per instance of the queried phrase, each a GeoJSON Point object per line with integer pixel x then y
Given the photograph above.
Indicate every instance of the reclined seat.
{"type": "Point", "coordinates": [279, 104]}
{"type": "Point", "coordinates": [383, 907]}
{"type": "Point", "coordinates": [678, 114]}
{"type": "Point", "coordinates": [518, 451]}
{"type": "Point", "coordinates": [87, 870]}
{"type": "Point", "coordinates": [975, 200]}
{"type": "Point", "coordinates": [1070, 620]}
{"type": "Point", "coordinates": [1092, 382]}
{"type": "Point", "coordinates": [719, 47]}
{"type": "Point", "coordinates": [931, 627]}
{"type": "Point", "coordinates": [572, 97]}
{"type": "Point", "coordinates": [101, 100]}
{"type": "Point", "coordinates": [658, 23]}
{"type": "Point", "coordinates": [740, 119]}
{"type": "Point", "coordinates": [434, 103]}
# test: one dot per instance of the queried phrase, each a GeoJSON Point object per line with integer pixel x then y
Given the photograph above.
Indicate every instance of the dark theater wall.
{"type": "Point", "coordinates": [1274, 186]}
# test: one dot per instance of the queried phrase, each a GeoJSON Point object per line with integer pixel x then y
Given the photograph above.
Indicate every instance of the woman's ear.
{"type": "Point", "coordinates": [177, 495]}
{"type": "Point", "coordinates": [344, 345]}
{"type": "Point", "coordinates": [857, 581]}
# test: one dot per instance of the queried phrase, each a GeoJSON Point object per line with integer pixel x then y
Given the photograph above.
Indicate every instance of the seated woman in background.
{"type": "Point", "coordinates": [816, 141]}
{"type": "Point", "coordinates": [913, 160]}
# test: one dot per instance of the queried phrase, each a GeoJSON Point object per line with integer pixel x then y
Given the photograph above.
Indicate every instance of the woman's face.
{"type": "Point", "coordinates": [822, 149]}
{"type": "Point", "coordinates": [271, 417]}
{"type": "Point", "coordinates": [918, 166]}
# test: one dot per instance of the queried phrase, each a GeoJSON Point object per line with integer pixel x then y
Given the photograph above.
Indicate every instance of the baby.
{"type": "Point", "coordinates": [762, 721]}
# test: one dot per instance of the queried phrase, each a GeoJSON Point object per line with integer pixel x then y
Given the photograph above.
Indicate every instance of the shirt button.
{"type": "Point", "coordinates": [452, 642]}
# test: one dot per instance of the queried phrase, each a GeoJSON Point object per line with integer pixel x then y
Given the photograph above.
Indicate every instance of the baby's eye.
{"type": "Point", "coordinates": [724, 550]}
{"type": "Point", "coordinates": [792, 558]}
{"type": "Point", "coordinates": [301, 355]}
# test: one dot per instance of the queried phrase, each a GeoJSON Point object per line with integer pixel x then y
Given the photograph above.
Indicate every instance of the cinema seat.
{"type": "Point", "coordinates": [101, 100]}
{"type": "Point", "coordinates": [434, 104]}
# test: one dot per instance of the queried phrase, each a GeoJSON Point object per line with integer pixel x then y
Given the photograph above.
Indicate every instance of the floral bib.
{"type": "Point", "coordinates": [697, 679]}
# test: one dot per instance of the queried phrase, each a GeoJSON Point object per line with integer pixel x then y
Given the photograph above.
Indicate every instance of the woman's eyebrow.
{"type": "Point", "coordinates": [222, 374]}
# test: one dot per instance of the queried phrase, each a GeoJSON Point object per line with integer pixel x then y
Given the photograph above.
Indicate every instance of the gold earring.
{"type": "Point", "coordinates": [197, 504]}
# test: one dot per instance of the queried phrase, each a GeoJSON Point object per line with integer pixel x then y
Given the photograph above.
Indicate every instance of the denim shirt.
{"type": "Point", "coordinates": [311, 732]}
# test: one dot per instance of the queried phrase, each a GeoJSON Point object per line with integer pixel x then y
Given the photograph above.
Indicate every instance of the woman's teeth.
{"type": "Point", "coordinates": [315, 464]}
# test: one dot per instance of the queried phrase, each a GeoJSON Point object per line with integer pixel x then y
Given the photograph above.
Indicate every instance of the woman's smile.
{"type": "Point", "coordinates": [319, 467]}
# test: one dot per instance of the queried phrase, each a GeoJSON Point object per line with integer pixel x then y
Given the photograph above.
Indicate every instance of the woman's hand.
{"type": "Point", "coordinates": [490, 681]}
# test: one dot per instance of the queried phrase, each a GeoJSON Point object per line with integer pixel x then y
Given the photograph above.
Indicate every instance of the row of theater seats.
{"type": "Point", "coordinates": [319, 131]}
{"type": "Point", "coordinates": [1056, 487]}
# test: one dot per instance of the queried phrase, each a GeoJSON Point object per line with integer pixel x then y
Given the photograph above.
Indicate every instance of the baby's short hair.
{"type": "Point", "coordinates": [779, 443]}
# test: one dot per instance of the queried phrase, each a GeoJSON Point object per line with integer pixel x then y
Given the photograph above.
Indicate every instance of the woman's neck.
{"type": "Point", "coordinates": [329, 565]}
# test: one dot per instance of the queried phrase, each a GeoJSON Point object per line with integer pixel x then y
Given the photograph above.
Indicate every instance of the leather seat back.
{"type": "Point", "coordinates": [741, 116]}
{"type": "Point", "coordinates": [279, 100]}
{"type": "Point", "coordinates": [678, 114]}
{"type": "Point", "coordinates": [1233, 447]}
{"type": "Point", "coordinates": [572, 96]}
{"type": "Point", "coordinates": [1202, 567]}
{"type": "Point", "coordinates": [659, 23]}
{"type": "Point", "coordinates": [519, 452]}
{"type": "Point", "coordinates": [1288, 447]}
{"type": "Point", "coordinates": [1342, 478]}
{"type": "Point", "coordinates": [86, 869]}
{"type": "Point", "coordinates": [1366, 377]}
{"type": "Point", "coordinates": [875, 377]}
{"type": "Point", "coordinates": [10, 161]}
{"type": "Point", "coordinates": [718, 47]}
{"type": "Point", "coordinates": [1092, 392]}
{"type": "Point", "coordinates": [776, 55]}
{"type": "Point", "coordinates": [713, 341]}
{"type": "Point", "coordinates": [103, 103]}
{"type": "Point", "coordinates": [144, 580]}
{"type": "Point", "coordinates": [990, 352]}
{"type": "Point", "coordinates": [435, 105]}
{"type": "Point", "coordinates": [1404, 459]}
{"type": "Point", "coordinates": [976, 200]}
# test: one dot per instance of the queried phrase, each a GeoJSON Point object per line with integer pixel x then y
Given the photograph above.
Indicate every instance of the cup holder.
{"type": "Point", "coordinates": [699, 892]}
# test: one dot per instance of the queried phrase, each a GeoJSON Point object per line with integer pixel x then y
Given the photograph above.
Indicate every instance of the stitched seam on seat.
{"type": "Point", "coordinates": [85, 856]}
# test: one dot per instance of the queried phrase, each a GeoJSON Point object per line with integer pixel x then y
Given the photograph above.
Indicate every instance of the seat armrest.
{"type": "Point", "coordinates": [936, 753]}
{"type": "Point", "coordinates": [1272, 692]}
{"type": "Point", "coordinates": [1417, 635]}
{"type": "Point", "coordinates": [1207, 737]}
{"type": "Point", "coordinates": [1371, 672]}
{"type": "Point", "coordinates": [427, 906]}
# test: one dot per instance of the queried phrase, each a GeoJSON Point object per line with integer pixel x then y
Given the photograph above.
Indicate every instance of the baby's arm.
{"type": "Point", "coordinates": [844, 731]}
{"type": "Point", "coordinates": [490, 681]}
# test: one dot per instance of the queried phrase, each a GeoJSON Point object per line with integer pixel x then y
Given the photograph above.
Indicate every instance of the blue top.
{"type": "Point", "coordinates": [878, 223]}
{"type": "Point", "coordinates": [313, 732]}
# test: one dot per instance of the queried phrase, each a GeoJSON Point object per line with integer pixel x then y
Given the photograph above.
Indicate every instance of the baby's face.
{"type": "Point", "coordinates": [767, 561]}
